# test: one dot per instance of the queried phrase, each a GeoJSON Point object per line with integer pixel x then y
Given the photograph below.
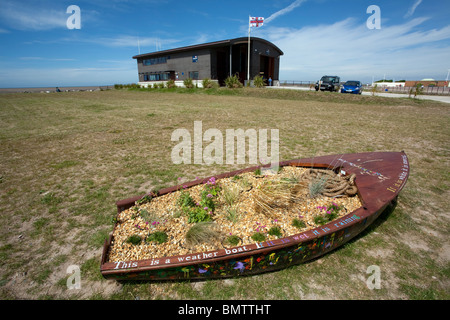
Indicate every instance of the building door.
{"type": "Point", "coordinates": [239, 63]}
{"type": "Point", "coordinates": [266, 67]}
{"type": "Point", "coordinates": [222, 67]}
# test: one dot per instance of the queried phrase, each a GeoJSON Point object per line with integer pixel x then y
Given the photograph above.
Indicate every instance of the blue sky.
{"type": "Point", "coordinates": [317, 37]}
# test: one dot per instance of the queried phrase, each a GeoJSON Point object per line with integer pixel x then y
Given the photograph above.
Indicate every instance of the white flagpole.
{"type": "Point", "coordinates": [248, 63]}
{"type": "Point", "coordinates": [139, 46]}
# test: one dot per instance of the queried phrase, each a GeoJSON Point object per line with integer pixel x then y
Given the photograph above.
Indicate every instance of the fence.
{"type": "Point", "coordinates": [296, 83]}
{"type": "Point", "coordinates": [431, 90]}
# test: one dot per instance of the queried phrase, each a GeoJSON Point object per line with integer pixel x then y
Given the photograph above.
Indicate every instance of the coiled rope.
{"type": "Point", "coordinates": [329, 183]}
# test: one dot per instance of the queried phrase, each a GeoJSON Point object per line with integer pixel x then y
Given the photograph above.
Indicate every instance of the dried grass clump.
{"type": "Point", "coordinates": [271, 195]}
{"type": "Point", "coordinates": [202, 232]}
{"type": "Point", "coordinates": [231, 194]}
{"type": "Point", "coordinates": [313, 183]}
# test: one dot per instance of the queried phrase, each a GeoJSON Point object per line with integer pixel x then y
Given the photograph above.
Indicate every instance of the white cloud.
{"type": "Point", "coordinates": [281, 12]}
{"type": "Point", "coordinates": [347, 48]}
{"type": "Point", "coordinates": [30, 16]}
{"type": "Point", "coordinates": [46, 59]}
{"type": "Point", "coordinates": [413, 8]}
{"type": "Point", "coordinates": [145, 43]}
{"type": "Point", "coordinates": [119, 41]}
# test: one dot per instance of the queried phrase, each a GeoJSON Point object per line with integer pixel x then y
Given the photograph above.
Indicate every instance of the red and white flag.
{"type": "Point", "coordinates": [256, 21]}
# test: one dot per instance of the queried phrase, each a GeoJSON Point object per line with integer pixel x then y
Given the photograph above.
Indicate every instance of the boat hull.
{"type": "Point", "coordinates": [380, 176]}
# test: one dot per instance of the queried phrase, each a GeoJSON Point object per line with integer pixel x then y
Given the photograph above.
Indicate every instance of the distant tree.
{"type": "Point", "coordinates": [417, 90]}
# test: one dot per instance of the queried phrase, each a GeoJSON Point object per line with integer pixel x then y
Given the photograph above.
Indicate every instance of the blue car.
{"type": "Point", "coordinates": [352, 86]}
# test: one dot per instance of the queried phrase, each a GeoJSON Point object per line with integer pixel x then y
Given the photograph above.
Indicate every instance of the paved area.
{"type": "Point", "coordinates": [445, 99]}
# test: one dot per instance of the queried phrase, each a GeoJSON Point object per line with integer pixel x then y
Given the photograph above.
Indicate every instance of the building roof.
{"type": "Point", "coordinates": [221, 43]}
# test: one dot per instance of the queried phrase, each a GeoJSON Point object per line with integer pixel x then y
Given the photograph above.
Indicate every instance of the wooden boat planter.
{"type": "Point", "coordinates": [380, 176]}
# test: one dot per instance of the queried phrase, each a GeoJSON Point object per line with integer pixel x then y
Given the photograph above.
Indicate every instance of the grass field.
{"type": "Point", "coordinates": [66, 158]}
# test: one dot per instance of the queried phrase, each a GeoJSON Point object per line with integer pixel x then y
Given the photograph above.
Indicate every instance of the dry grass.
{"type": "Point", "coordinates": [201, 232]}
{"type": "Point", "coordinates": [66, 158]}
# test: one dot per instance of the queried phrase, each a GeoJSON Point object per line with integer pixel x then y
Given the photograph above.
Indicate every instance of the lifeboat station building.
{"type": "Point", "coordinates": [214, 60]}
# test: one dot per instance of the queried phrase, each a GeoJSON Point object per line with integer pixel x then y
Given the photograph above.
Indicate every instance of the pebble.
{"type": "Point", "coordinates": [164, 206]}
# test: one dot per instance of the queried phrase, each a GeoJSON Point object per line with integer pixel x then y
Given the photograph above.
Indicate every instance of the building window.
{"type": "Point", "coordinates": [157, 76]}
{"type": "Point", "coordinates": [193, 75]}
{"type": "Point", "coordinates": [164, 76]}
{"type": "Point", "coordinates": [152, 61]}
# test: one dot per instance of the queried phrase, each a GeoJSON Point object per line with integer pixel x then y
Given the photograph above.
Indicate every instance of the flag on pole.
{"type": "Point", "coordinates": [256, 21]}
{"type": "Point", "coordinates": [252, 22]}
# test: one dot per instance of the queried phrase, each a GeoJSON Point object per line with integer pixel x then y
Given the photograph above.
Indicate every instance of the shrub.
{"type": "Point", "coordinates": [188, 83]}
{"type": "Point", "coordinates": [374, 89]}
{"type": "Point", "coordinates": [417, 90]}
{"type": "Point", "coordinates": [299, 224]}
{"type": "Point", "coordinates": [171, 84]}
{"type": "Point", "coordinates": [258, 237]}
{"type": "Point", "coordinates": [158, 236]}
{"type": "Point", "coordinates": [332, 212]}
{"type": "Point", "coordinates": [259, 82]}
{"type": "Point", "coordinates": [129, 86]}
{"type": "Point", "coordinates": [275, 231]}
{"type": "Point", "coordinates": [185, 200]}
{"type": "Point", "coordinates": [134, 239]}
{"type": "Point", "coordinates": [210, 191]}
{"type": "Point", "coordinates": [198, 214]}
{"type": "Point", "coordinates": [233, 82]}
{"type": "Point", "coordinates": [320, 220]}
{"type": "Point", "coordinates": [201, 211]}
{"type": "Point", "coordinates": [232, 240]}
{"type": "Point", "coordinates": [208, 84]}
